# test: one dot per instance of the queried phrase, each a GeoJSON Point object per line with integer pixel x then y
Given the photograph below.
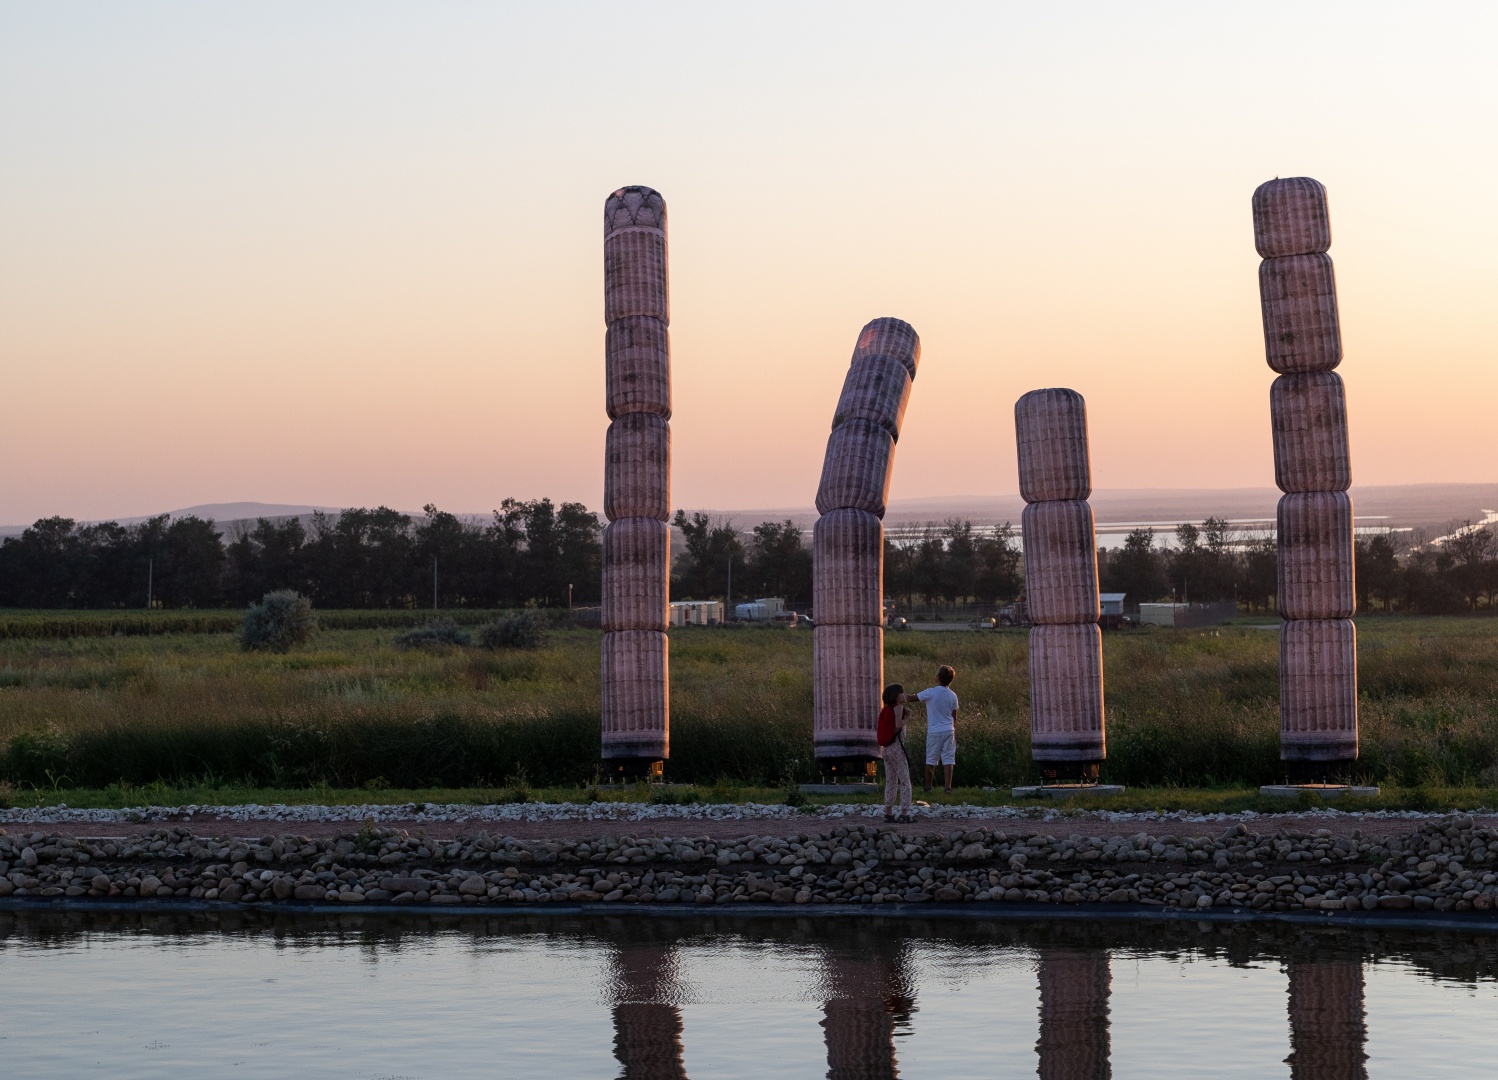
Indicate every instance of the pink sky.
{"type": "Point", "coordinates": [351, 254]}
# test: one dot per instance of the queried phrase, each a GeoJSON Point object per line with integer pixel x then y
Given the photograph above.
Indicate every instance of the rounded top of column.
{"type": "Point", "coordinates": [634, 207]}
{"type": "Point", "coordinates": [1290, 217]}
{"type": "Point", "coordinates": [894, 338]}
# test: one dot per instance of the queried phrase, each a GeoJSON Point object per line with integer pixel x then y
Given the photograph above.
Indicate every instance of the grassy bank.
{"type": "Point", "coordinates": [1185, 709]}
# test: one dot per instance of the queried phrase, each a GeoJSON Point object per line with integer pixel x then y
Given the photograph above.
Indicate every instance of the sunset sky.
{"type": "Point", "coordinates": [351, 253]}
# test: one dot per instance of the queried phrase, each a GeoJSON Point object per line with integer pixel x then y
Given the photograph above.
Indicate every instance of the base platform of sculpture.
{"type": "Point", "coordinates": [847, 787]}
{"type": "Point", "coordinates": [1066, 791]}
{"type": "Point", "coordinates": [848, 770]}
{"type": "Point", "coordinates": [627, 769]}
{"type": "Point", "coordinates": [1325, 791]}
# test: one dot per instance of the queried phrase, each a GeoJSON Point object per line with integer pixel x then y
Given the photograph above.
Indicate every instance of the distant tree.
{"type": "Point", "coordinates": [779, 562]}
{"type": "Point", "coordinates": [712, 546]}
{"type": "Point", "coordinates": [1136, 569]}
{"type": "Point", "coordinates": [1258, 581]}
{"type": "Point", "coordinates": [1469, 549]}
{"type": "Point", "coordinates": [1000, 576]}
{"type": "Point", "coordinates": [1376, 568]}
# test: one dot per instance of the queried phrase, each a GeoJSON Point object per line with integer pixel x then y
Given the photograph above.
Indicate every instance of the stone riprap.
{"type": "Point", "coordinates": [1444, 864]}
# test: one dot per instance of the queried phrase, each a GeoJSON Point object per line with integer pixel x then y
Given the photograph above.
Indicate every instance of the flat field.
{"type": "Point", "coordinates": [351, 713]}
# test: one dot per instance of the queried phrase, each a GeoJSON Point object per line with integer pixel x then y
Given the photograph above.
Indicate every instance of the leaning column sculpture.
{"type": "Point", "coordinates": [636, 484]}
{"type": "Point", "coordinates": [1308, 413]}
{"type": "Point", "coordinates": [848, 548]}
{"type": "Point", "coordinates": [1067, 737]}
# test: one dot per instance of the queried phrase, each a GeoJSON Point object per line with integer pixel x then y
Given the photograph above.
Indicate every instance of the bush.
{"type": "Point", "coordinates": [281, 620]}
{"type": "Point", "coordinates": [523, 631]}
{"type": "Point", "coordinates": [437, 632]}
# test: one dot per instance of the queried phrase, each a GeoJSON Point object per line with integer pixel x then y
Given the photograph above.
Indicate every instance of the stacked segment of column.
{"type": "Point", "coordinates": [637, 485]}
{"type": "Point", "coordinates": [1312, 466]}
{"type": "Point", "coordinates": [848, 548]}
{"type": "Point", "coordinates": [1067, 737]}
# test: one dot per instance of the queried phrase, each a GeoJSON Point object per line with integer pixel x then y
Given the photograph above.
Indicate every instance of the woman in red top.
{"type": "Point", "coordinates": [891, 735]}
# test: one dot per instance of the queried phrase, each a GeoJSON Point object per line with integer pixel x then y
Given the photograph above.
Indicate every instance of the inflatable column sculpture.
{"type": "Point", "coordinates": [647, 1025]}
{"type": "Point", "coordinates": [1328, 1033]}
{"type": "Point", "coordinates": [636, 484]}
{"type": "Point", "coordinates": [1074, 986]}
{"type": "Point", "coordinates": [1061, 585]}
{"type": "Point", "coordinates": [848, 547]}
{"type": "Point", "coordinates": [1308, 412]}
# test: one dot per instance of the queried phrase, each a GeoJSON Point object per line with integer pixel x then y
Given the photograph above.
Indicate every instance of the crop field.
{"type": "Point", "coordinates": [352, 713]}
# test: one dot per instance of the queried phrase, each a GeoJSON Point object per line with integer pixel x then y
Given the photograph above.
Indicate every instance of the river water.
{"type": "Point", "coordinates": [373, 996]}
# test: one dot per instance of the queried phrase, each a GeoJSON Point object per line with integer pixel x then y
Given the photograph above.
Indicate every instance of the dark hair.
{"type": "Point", "coordinates": [945, 675]}
{"type": "Point", "coordinates": [892, 693]}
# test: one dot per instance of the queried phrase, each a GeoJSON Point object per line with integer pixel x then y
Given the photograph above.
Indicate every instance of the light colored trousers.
{"type": "Point", "coordinates": [897, 776]}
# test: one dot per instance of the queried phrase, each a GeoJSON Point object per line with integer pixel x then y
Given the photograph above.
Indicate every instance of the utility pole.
{"type": "Point", "coordinates": [434, 583]}
{"type": "Point", "coordinates": [728, 604]}
{"type": "Point", "coordinates": [569, 598]}
{"type": "Point", "coordinates": [150, 582]}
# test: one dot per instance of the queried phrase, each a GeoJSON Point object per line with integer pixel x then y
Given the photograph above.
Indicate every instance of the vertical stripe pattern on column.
{"type": "Point", "coordinates": [848, 677]}
{"type": "Point", "coordinates": [1066, 693]}
{"type": "Point", "coordinates": [847, 569]}
{"type": "Point", "coordinates": [1318, 690]}
{"type": "Point", "coordinates": [636, 569]}
{"type": "Point", "coordinates": [856, 470]}
{"type": "Point", "coordinates": [637, 480]}
{"type": "Point", "coordinates": [875, 390]}
{"type": "Point", "coordinates": [1298, 301]}
{"type": "Point", "coordinates": [1316, 568]}
{"type": "Point", "coordinates": [1060, 562]}
{"type": "Point", "coordinates": [637, 476]}
{"type": "Point", "coordinates": [1290, 218]}
{"type": "Point", "coordinates": [637, 361]}
{"type": "Point", "coordinates": [1050, 428]}
{"type": "Point", "coordinates": [635, 710]}
{"type": "Point", "coordinates": [1309, 416]}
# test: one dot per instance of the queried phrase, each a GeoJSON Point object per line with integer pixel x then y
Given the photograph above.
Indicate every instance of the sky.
{"type": "Point", "coordinates": [351, 253]}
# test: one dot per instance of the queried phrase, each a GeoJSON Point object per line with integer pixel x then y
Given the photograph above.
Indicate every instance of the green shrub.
{"type": "Point", "coordinates": [523, 631]}
{"type": "Point", "coordinates": [437, 632]}
{"type": "Point", "coordinates": [280, 621]}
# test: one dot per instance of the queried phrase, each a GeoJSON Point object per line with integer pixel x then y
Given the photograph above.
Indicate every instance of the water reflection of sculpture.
{"type": "Point", "coordinates": [647, 1022]}
{"type": "Point", "coordinates": [848, 547]}
{"type": "Point", "coordinates": [1328, 1031]}
{"type": "Point", "coordinates": [867, 996]}
{"type": "Point", "coordinates": [1074, 987]}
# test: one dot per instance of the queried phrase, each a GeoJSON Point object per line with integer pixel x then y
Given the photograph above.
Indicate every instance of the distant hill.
{"type": "Point", "coordinates": [1402, 506]}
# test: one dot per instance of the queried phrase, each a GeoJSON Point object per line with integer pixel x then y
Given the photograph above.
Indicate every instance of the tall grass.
{"type": "Point", "coordinates": [60, 625]}
{"type": "Point", "coordinates": [1184, 708]}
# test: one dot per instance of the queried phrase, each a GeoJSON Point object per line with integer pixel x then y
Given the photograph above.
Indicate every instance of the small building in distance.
{"type": "Point", "coordinates": [765, 609]}
{"type": "Point", "coordinates": [696, 613]}
{"type": "Point", "coordinates": [1188, 616]}
{"type": "Point", "coordinates": [1112, 607]}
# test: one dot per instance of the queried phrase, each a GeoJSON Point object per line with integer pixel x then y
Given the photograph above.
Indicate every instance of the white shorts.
{"type": "Point", "coordinates": [941, 748]}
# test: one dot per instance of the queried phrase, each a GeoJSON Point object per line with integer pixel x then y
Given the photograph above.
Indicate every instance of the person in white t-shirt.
{"type": "Point", "coordinates": [941, 726]}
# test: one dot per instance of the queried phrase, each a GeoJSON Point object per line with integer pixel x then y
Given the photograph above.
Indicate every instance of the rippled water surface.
{"type": "Point", "coordinates": [644, 997]}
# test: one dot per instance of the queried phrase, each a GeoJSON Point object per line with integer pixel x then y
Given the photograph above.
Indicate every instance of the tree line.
{"type": "Point", "coordinates": [538, 553]}
{"type": "Point", "coordinates": [526, 553]}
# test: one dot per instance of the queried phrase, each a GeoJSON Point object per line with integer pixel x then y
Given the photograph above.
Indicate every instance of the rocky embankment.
{"type": "Point", "coordinates": [1445, 864]}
